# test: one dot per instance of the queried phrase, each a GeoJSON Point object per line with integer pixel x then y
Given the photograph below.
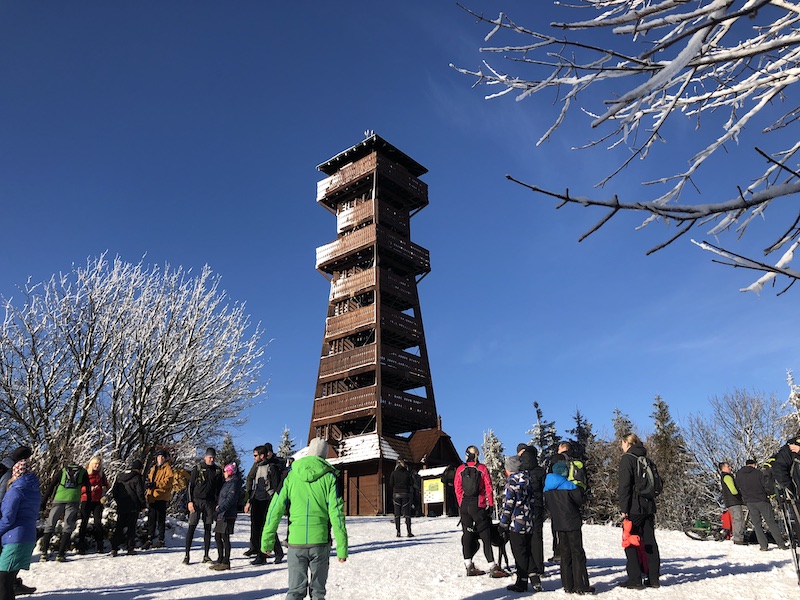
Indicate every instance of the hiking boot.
{"type": "Point", "coordinates": [61, 558]}
{"type": "Point", "coordinates": [147, 545]}
{"type": "Point", "coordinates": [222, 566]}
{"type": "Point", "coordinates": [44, 557]}
{"type": "Point", "coordinates": [20, 589]}
{"type": "Point", "coordinates": [207, 559]}
{"type": "Point", "coordinates": [250, 552]}
{"type": "Point", "coordinates": [652, 583]}
{"type": "Point", "coordinates": [131, 552]}
{"type": "Point", "coordinates": [159, 544]}
{"type": "Point", "coordinates": [398, 534]}
{"type": "Point", "coordinates": [587, 592]}
{"type": "Point", "coordinates": [631, 585]}
{"type": "Point", "coordinates": [114, 552]}
{"type": "Point", "coordinates": [554, 559]}
{"type": "Point", "coordinates": [278, 560]}
{"type": "Point", "coordinates": [520, 586]}
{"type": "Point", "coordinates": [496, 572]}
{"type": "Point", "coordinates": [473, 571]}
{"type": "Point", "coordinates": [410, 534]}
{"type": "Point", "coordinates": [260, 560]}
{"type": "Point", "coordinates": [536, 584]}
{"type": "Point", "coordinates": [186, 559]}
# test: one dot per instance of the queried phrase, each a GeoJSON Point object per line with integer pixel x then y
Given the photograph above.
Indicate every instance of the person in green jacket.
{"type": "Point", "coordinates": [315, 508]}
{"type": "Point", "coordinates": [69, 485]}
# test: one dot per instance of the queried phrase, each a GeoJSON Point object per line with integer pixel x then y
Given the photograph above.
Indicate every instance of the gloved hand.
{"type": "Point", "coordinates": [502, 531]}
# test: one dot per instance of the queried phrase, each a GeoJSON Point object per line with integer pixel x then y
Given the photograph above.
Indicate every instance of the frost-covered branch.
{"type": "Point", "coordinates": [637, 67]}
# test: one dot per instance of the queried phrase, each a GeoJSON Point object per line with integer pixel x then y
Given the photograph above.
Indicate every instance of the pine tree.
{"type": "Point", "coordinates": [543, 436]}
{"type": "Point", "coordinates": [793, 405]}
{"type": "Point", "coordinates": [682, 499]}
{"type": "Point", "coordinates": [286, 447]}
{"type": "Point", "coordinates": [621, 423]}
{"type": "Point", "coordinates": [581, 435]}
{"type": "Point", "coordinates": [492, 449]}
{"type": "Point", "coordinates": [228, 454]}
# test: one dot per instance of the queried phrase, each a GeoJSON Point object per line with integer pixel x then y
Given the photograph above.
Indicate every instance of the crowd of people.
{"type": "Point", "coordinates": [559, 488]}
{"type": "Point", "coordinates": [306, 490]}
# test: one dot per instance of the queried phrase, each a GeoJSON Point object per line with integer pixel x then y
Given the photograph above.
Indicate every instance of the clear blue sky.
{"type": "Point", "coordinates": [188, 133]}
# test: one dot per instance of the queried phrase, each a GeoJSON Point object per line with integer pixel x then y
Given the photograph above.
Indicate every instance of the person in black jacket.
{"type": "Point", "coordinates": [529, 458]}
{"type": "Point", "coordinates": [128, 492]}
{"type": "Point", "coordinates": [732, 498]}
{"type": "Point", "coordinates": [267, 477]}
{"type": "Point", "coordinates": [750, 481]}
{"type": "Point", "coordinates": [205, 483]}
{"type": "Point", "coordinates": [786, 471]}
{"type": "Point", "coordinates": [401, 482]}
{"type": "Point", "coordinates": [641, 512]}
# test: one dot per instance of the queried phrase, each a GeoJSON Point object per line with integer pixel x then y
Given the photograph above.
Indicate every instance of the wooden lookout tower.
{"type": "Point", "coordinates": [374, 398]}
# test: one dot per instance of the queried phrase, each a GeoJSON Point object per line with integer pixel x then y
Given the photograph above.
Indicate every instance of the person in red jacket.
{"type": "Point", "coordinates": [475, 502]}
{"type": "Point", "coordinates": [91, 504]}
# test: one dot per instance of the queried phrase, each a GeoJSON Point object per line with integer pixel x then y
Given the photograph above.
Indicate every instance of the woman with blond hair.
{"type": "Point", "coordinates": [91, 504]}
{"type": "Point", "coordinates": [641, 511]}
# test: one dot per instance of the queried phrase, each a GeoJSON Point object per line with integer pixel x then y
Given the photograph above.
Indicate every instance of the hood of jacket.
{"type": "Point", "coordinates": [637, 450]}
{"type": "Point", "coordinates": [8, 462]}
{"type": "Point", "coordinates": [311, 468]}
{"type": "Point", "coordinates": [127, 476]}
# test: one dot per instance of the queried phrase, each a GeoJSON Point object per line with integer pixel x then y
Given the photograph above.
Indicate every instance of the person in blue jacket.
{"type": "Point", "coordinates": [563, 499]}
{"type": "Point", "coordinates": [20, 509]}
{"type": "Point", "coordinates": [227, 507]}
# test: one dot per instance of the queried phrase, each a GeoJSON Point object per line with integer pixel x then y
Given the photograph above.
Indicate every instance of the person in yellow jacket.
{"type": "Point", "coordinates": [159, 491]}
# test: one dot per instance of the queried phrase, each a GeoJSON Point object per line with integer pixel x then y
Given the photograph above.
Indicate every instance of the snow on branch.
{"type": "Point", "coordinates": [647, 64]}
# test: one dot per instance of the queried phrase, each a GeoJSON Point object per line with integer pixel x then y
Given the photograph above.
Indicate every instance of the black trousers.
{"type": "Point", "coordinates": [537, 542]}
{"type": "Point", "coordinates": [125, 531]}
{"type": "Point", "coordinates": [156, 519]}
{"type": "Point", "coordinates": [475, 523]}
{"type": "Point", "coordinates": [644, 527]}
{"type": "Point", "coordinates": [521, 549]}
{"type": "Point", "coordinates": [202, 509]}
{"type": "Point", "coordinates": [95, 510]}
{"type": "Point", "coordinates": [574, 576]}
{"type": "Point", "coordinates": [258, 516]}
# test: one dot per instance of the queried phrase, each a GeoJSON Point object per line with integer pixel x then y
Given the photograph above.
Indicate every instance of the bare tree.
{"type": "Point", "coordinates": [117, 358]}
{"type": "Point", "coordinates": [655, 62]}
{"type": "Point", "coordinates": [740, 425]}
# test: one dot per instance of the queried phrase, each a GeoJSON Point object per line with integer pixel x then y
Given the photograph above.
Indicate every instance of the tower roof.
{"type": "Point", "coordinates": [373, 143]}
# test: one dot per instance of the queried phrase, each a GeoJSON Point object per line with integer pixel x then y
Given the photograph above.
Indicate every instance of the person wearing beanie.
{"type": "Point", "coordinates": [401, 484]}
{"type": "Point", "coordinates": [516, 519]}
{"type": "Point", "coordinates": [91, 505]}
{"type": "Point", "coordinates": [226, 509]}
{"type": "Point", "coordinates": [475, 503]}
{"type": "Point", "coordinates": [564, 499]}
{"type": "Point", "coordinates": [529, 457]}
{"type": "Point", "coordinates": [6, 468]}
{"type": "Point", "coordinates": [202, 491]}
{"type": "Point", "coordinates": [159, 484]}
{"type": "Point", "coordinates": [66, 489]}
{"type": "Point", "coordinates": [18, 528]}
{"type": "Point", "coordinates": [263, 485]}
{"type": "Point", "coordinates": [128, 492]}
{"type": "Point", "coordinates": [309, 494]}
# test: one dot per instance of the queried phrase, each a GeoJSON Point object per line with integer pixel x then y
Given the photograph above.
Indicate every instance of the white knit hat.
{"type": "Point", "coordinates": [318, 447]}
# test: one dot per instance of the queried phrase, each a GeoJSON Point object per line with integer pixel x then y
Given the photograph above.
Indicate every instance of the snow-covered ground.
{"type": "Point", "coordinates": [426, 566]}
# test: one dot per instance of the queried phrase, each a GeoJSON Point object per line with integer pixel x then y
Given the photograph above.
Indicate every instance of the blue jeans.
{"type": "Point", "coordinates": [299, 561]}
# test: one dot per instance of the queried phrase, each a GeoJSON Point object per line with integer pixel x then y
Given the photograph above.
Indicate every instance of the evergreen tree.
{"type": "Point", "coordinates": [492, 449]}
{"type": "Point", "coordinates": [228, 454]}
{"type": "Point", "coordinates": [684, 497]}
{"type": "Point", "coordinates": [602, 458]}
{"type": "Point", "coordinates": [543, 436]}
{"type": "Point", "coordinates": [286, 447]}
{"type": "Point", "coordinates": [621, 423]}
{"type": "Point", "coordinates": [581, 435]}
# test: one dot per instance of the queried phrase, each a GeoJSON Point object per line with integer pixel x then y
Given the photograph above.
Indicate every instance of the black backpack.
{"type": "Point", "coordinates": [647, 481]}
{"type": "Point", "coordinates": [471, 481]}
{"type": "Point", "coordinates": [70, 477]}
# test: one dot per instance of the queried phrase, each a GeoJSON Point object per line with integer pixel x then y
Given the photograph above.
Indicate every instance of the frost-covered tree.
{"type": "Point", "coordinates": [492, 450]}
{"type": "Point", "coordinates": [792, 405]}
{"type": "Point", "coordinates": [740, 425]}
{"type": "Point", "coordinates": [622, 424]}
{"type": "Point", "coordinates": [637, 73]}
{"type": "Point", "coordinates": [602, 459]}
{"type": "Point", "coordinates": [123, 358]}
{"type": "Point", "coordinates": [228, 454]}
{"type": "Point", "coordinates": [286, 447]}
{"type": "Point", "coordinates": [543, 436]}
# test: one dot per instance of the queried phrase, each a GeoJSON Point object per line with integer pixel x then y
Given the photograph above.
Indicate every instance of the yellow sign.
{"type": "Point", "coordinates": [432, 491]}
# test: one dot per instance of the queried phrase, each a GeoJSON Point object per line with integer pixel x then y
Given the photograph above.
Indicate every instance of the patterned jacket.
{"type": "Point", "coordinates": [517, 510]}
